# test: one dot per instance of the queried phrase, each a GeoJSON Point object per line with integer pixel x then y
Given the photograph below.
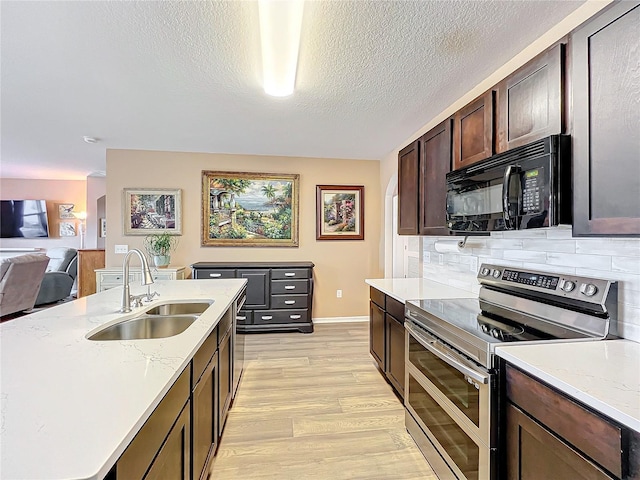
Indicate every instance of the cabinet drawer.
{"type": "Point", "coordinates": [595, 436]}
{"type": "Point", "coordinates": [204, 355]}
{"type": "Point", "coordinates": [213, 273]}
{"type": "Point", "coordinates": [116, 278]}
{"type": "Point", "coordinates": [289, 301]}
{"type": "Point", "coordinates": [261, 317]}
{"type": "Point", "coordinates": [289, 286]}
{"type": "Point", "coordinates": [225, 324]}
{"type": "Point", "coordinates": [163, 276]}
{"type": "Point", "coordinates": [244, 317]}
{"type": "Point", "coordinates": [395, 309]}
{"type": "Point", "coordinates": [290, 273]}
{"type": "Point", "coordinates": [377, 297]}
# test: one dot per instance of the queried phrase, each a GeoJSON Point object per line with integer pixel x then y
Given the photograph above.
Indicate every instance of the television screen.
{"type": "Point", "coordinates": [23, 219]}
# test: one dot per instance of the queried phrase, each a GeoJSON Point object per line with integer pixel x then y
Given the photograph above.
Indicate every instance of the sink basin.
{"type": "Point", "coordinates": [145, 327]}
{"type": "Point", "coordinates": [195, 308]}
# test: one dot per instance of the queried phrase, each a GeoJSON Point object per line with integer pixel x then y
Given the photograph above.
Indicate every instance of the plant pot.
{"type": "Point", "coordinates": [161, 261]}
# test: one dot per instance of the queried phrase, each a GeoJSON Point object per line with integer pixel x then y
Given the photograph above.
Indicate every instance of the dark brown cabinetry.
{"type": "Point", "coordinates": [422, 169]}
{"type": "Point", "coordinates": [606, 116]}
{"type": "Point", "coordinates": [173, 458]}
{"type": "Point", "coordinates": [473, 132]}
{"type": "Point", "coordinates": [530, 102]}
{"type": "Point", "coordinates": [279, 294]}
{"type": "Point", "coordinates": [549, 435]}
{"type": "Point", "coordinates": [386, 337]}
{"type": "Point", "coordinates": [408, 188]}
{"type": "Point", "coordinates": [225, 369]}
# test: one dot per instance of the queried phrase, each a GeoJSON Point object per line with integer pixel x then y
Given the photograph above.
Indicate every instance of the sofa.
{"type": "Point", "coordinates": [20, 279]}
{"type": "Point", "coordinates": [60, 275]}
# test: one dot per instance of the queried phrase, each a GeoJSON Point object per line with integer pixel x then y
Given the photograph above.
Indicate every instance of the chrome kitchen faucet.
{"type": "Point", "coordinates": [147, 279]}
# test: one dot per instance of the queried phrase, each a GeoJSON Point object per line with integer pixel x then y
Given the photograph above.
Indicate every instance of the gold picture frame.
{"type": "Point", "coordinates": [241, 209]}
{"type": "Point", "coordinates": [339, 212]}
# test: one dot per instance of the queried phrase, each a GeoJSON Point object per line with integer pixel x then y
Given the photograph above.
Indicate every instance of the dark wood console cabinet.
{"type": "Point", "coordinates": [386, 337]}
{"type": "Point", "coordinates": [279, 294]}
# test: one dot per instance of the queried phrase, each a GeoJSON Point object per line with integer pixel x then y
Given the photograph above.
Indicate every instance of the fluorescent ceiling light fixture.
{"type": "Point", "coordinates": [280, 27]}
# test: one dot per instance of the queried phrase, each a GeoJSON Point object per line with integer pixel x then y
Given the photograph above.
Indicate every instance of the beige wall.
{"type": "Point", "coordinates": [339, 264]}
{"type": "Point", "coordinates": [54, 192]}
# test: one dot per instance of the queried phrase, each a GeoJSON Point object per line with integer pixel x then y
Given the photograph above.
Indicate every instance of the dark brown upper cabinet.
{"type": "Point", "coordinates": [473, 131]}
{"type": "Point", "coordinates": [606, 119]}
{"type": "Point", "coordinates": [436, 163]}
{"type": "Point", "coordinates": [530, 101]}
{"type": "Point", "coordinates": [408, 188]}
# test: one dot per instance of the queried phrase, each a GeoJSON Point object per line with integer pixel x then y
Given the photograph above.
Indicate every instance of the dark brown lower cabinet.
{"type": "Point", "coordinates": [394, 352]}
{"type": "Point", "coordinates": [204, 398]}
{"type": "Point", "coordinates": [386, 337]}
{"type": "Point", "coordinates": [534, 452]}
{"type": "Point", "coordinates": [174, 459]}
{"type": "Point", "coordinates": [376, 334]}
{"type": "Point", "coordinates": [225, 372]}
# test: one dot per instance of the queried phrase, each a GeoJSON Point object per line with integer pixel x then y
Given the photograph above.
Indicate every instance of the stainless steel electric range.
{"type": "Point", "coordinates": [451, 368]}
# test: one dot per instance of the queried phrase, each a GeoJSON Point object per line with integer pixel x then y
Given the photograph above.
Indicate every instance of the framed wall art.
{"type": "Point", "coordinates": [67, 229]}
{"type": "Point", "coordinates": [339, 212]}
{"type": "Point", "coordinates": [148, 211]}
{"type": "Point", "coordinates": [65, 210]}
{"type": "Point", "coordinates": [249, 209]}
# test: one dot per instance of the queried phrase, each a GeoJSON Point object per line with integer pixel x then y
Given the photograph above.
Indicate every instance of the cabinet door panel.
{"type": "Point", "coordinates": [533, 452]}
{"type": "Point", "coordinates": [225, 365]}
{"type": "Point", "coordinates": [408, 185]}
{"type": "Point", "coordinates": [395, 353]}
{"type": "Point", "coordinates": [173, 460]}
{"type": "Point", "coordinates": [606, 105]}
{"type": "Point", "coordinates": [258, 291]}
{"type": "Point", "coordinates": [473, 132]}
{"type": "Point", "coordinates": [376, 333]}
{"type": "Point", "coordinates": [436, 163]}
{"type": "Point", "coordinates": [530, 105]}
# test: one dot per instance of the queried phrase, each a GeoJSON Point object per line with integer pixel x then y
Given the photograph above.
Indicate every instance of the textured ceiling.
{"type": "Point", "coordinates": [185, 76]}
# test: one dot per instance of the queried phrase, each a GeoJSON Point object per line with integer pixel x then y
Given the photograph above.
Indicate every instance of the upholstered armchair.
{"type": "Point", "coordinates": [20, 279]}
{"type": "Point", "coordinates": [60, 275]}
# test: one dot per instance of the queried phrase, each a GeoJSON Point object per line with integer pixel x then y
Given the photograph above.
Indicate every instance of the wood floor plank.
{"type": "Point", "coordinates": [314, 406]}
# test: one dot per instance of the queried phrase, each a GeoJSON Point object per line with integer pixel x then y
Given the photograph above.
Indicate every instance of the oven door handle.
{"type": "Point", "coordinates": [454, 362]}
{"type": "Point", "coordinates": [506, 181]}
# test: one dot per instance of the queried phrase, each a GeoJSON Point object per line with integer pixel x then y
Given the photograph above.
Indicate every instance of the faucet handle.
{"type": "Point", "coordinates": [136, 300]}
{"type": "Point", "coordinates": [149, 295]}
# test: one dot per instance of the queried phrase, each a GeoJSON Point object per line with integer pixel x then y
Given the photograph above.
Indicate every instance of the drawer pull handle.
{"type": "Point", "coordinates": [289, 287]}
{"type": "Point", "coordinates": [295, 317]}
{"type": "Point", "coordinates": [215, 275]}
{"type": "Point", "coordinates": [267, 317]}
{"type": "Point", "coordinates": [289, 302]}
{"type": "Point", "coordinates": [290, 274]}
{"type": "Point", "coordinates": [240, 318]}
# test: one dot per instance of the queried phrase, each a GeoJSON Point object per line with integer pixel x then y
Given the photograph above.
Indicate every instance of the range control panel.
{"type": "Point", "coordinates": [567, 286]}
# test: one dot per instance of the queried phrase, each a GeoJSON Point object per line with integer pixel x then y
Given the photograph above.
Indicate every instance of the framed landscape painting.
{"type": "Point", "coordinates": [339, 212]}
{"type": "Point", "coordinates": [249, 209]}
{"type": "Point", "coordinates": [148, 211]}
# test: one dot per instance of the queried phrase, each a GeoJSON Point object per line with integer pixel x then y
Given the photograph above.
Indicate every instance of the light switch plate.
{"type": "Point", "coordinates": [122, 248]}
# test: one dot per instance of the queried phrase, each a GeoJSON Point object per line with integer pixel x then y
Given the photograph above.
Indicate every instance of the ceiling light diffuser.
{"type": "Point", "coordinates": [280, 27]}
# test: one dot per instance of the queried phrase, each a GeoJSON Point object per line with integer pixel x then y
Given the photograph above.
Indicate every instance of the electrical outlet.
{"type": "Point", "coordinates": [338, 293]}
{"type": "Point", "coordinates": [122, 248]}
{"type": "Point", "coordinates": [426, 257]}
{"type": "Point", "coordinates": [473, 265]}
{"type": "Point", "coordinates": [441, 259]}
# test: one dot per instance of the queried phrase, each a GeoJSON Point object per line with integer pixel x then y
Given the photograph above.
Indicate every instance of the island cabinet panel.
{"type": "Point", "coordinates": [225, 372]}
{"type": "Point", "coordinates": [530, 102]}
{"type": "Point", "coordinates": [157, 431]}
{"type": "Point", "coordinates": [408, 188]}
{"type": "Point", "coordinates": [551, 435]}
{"type": "Point", "coordinates": [387, 338]}
{"type": "Point", "coordinates": [173, 460]}
{"type": "Point", "coordinates": [606, 111]}
{"type": "Point", "coordinates": [279, 294]}
{"type": "Point", "coordinates": [435, 164]}
{"type": "Point", "coordinates": [473, 131]}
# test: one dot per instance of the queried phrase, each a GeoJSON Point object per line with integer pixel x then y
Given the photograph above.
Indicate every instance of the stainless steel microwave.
{"type": "Point", "coordinates": [526, 187]}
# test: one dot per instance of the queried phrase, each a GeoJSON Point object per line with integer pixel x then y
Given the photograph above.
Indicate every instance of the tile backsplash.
{"type": "Point", "coordinates": [552, 250]}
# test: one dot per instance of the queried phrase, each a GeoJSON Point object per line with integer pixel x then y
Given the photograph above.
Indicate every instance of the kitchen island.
{"type": "Point", "coordinates": [71, 406]}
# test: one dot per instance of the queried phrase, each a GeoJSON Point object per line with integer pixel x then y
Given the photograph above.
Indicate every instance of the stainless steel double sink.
{"type": "Point", "coordinates": [161, 321]}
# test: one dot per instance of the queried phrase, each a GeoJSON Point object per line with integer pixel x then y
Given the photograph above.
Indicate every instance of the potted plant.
{"type": "Point", "coordinates": [159, 246]}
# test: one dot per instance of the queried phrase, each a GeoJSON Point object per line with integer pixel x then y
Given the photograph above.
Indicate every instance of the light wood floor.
{"type": "Point", "coordinates": [314, 406]}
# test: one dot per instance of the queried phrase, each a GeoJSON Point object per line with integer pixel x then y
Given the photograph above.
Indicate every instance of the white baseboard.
{"type": "Point", "coordinates": [341, 319]}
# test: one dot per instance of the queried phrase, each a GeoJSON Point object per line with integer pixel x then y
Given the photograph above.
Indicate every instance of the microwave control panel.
{"type": "Point", "coordinates": [532, 191]}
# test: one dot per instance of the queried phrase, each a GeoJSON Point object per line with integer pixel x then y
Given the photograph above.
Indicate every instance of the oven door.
{"type": "Point", "coordinates": [451, 402]}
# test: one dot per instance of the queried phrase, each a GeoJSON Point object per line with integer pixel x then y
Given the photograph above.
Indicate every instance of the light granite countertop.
{"type": "Point", "coordinates": [403, 289]}
{"type": "Point", "coordinates": [70, 406]}
{"type": "Point", "coordinates": [604, 375]}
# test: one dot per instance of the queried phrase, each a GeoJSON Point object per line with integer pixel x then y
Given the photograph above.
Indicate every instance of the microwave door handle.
{"type": "Point", "coordinates": [506, 181]}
